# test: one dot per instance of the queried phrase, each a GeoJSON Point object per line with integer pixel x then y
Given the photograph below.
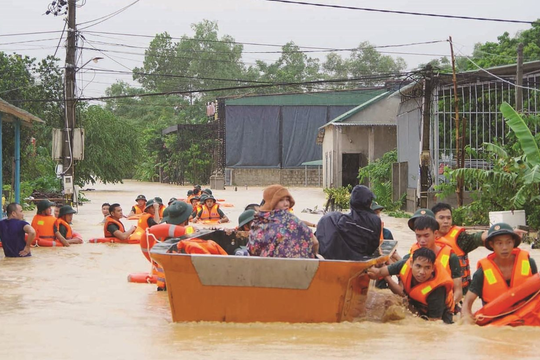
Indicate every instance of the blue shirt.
{"type": "Point", "coordinates": [12, 236]}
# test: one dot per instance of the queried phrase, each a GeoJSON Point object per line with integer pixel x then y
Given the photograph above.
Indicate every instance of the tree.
{"type": "Point", "coordinates": [503, 51]}
{"type": "Point", "coordinates": [111, 147]}
{"type": "Point", "coordinates": [363, 61]}
{"type": "Point", "coordinates": [293, 66]}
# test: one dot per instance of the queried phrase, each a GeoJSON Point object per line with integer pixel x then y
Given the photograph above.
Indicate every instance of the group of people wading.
{"type": "Point", "coordinates": [435, 276]}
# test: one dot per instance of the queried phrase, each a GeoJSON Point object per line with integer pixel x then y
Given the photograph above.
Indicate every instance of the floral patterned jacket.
{"type": "Point", "coordinates": [279, 233]}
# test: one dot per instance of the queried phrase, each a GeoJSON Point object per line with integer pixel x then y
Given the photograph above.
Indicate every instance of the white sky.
{"type": "Point", "coordinates": [262, 22]}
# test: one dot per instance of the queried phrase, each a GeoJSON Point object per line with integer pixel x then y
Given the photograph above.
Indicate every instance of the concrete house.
{"type": "Point", "coordinates": [358, 137]}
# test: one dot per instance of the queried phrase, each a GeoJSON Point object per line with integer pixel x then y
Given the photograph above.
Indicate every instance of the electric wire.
{"type": "Point", "coordinates": [497, 77]}
{"type": "Point", "coordinates": [401, 12]}
{"type": "Point", "coordinates": [106, 17]}
{"type": "Point", "coordinates": [229, 88]}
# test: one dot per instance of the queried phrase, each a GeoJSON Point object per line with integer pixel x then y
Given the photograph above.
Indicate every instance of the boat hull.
{"type": "Point", "coordinates": [255, 289]}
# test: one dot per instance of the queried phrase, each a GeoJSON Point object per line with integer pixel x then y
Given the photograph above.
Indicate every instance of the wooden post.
{"type": "Point", "coordinates": [519, 78]}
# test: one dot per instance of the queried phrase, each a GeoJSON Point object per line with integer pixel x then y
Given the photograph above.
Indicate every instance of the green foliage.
{"type": "Point", "coordinates": [512, 183]}
{"type": "Point", "coordinates": [379, 175]}
{"type": "Point", "coordinates": [341, 196]}
{"type": "Point", "coordinates": [111, 147]}
{"type": "Point", "coordinates": [503, 51]}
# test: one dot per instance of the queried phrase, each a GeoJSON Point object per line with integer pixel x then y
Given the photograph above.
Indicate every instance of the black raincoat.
{"type": "Point", "coordinates": [350, 236]}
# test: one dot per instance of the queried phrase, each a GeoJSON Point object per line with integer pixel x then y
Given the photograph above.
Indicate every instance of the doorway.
{"type": "Point", "coordinates": [350, 164]}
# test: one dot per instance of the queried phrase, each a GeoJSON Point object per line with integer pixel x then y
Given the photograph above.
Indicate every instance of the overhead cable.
{"type": "Point", "coordinates": [401, 12]}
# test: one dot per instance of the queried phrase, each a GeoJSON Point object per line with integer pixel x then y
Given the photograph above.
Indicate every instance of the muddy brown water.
{"type": "Point", "coordinates": [75, 303]}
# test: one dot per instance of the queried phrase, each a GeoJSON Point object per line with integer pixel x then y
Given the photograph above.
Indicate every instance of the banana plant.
{"type": "Point", "coordinates": [514, 179]}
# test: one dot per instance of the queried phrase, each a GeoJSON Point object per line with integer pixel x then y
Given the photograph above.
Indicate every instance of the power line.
{"type": "Point", "coordinates": [107, 17]}
{"type": "Point", "coordinates": [32, 33]}
{"type": "Point", "coordinates": [285, 52]}
{"type": "Point", "coordinates": [401, 12]}
{"type": "Point", "coordinates": [110, 71]}
{"type": "Point", "coordinates": [231, 88]}
{"type": "Point", "coordinates": [495, 76]}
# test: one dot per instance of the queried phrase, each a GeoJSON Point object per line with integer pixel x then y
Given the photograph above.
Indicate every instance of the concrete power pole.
{"type": "Point", "coordinates": [69, 83]}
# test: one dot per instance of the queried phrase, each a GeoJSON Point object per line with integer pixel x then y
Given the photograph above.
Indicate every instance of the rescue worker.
{"type": "Point", "coordinates": [425, 229]}
{"type": "Point", "coordinates": [63, 224]}
{"type": "Point", "coordinates": [150, 217]}
{"type": "Point", "coordinates": [242, 231]}
{"type": "Point", "coordinates": [171, 200]}
{"type": "Point", "coordinates": [161, 206]}
{"type": "Point", "coordinates": [113, 227]}
{"type": "Point", "coordinates": [461, 242]}
{"type": "Point", "coordinates": [44, 222]}
{"type": "Point", "coordinates": [196, 206]}
{"type": "Point", "coordinates": [506, 267]}
{"type": "Point", "coordinates": [427, 285]}
{"type": "Point", "coordinates": [211, 212]}
{"type": "Point", "coordinates": [177, 213]}
{"type": "Point", "coordinates": [377, 209]}
{"type": "Point", "coordinates": [138, 208]}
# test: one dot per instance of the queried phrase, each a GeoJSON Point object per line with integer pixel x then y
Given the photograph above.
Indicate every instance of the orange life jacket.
{"type": "Point", "coordinates": [161, 210]}
{"type": "Point", "coordinates": [211, 215]}
{"type": "Point", "coordinates": [450, 239]}
{"type": "Point", "coordinates": [443, 257]}
{"type": "Point", "coordinates": [44, 226]}
{"type": "Point", "coordinates": [60, 221]}
{"type": "Point", "coordinates": [110, 220]}
{"type": "Point", "coordinates": [138, 209]}
{"type": "Point", "coordinates": [494, 282]}
{"type": "Point", "coordinates": [421, 291]}
{"type": "Point", "coordinates": [143, 221]}
{"type": "Point", "coordinates": [199, 246]}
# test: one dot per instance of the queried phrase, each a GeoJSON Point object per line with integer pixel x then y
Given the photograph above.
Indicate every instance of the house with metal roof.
{"type": "Point", "coordinates": [429, 139]}
{"type": "Point", "coordinates": [358, 137]}
{"type": "Point", "coordinates": [270, 138]}
{"type": "Point", "coordinates": [11, 113]}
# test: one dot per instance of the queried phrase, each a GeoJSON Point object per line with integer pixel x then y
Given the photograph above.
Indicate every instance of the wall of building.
{"type": "Point", "coordinates": [286, 177]}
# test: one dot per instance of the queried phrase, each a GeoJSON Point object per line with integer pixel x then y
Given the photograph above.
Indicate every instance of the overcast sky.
{"type": "Point", "coordinates": [261, 22]}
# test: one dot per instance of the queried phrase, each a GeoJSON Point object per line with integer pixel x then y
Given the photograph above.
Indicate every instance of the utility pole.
{"type": "Point", "coordinates": [519, 78]}
{"type": "Point", "coordinates": [69, 90]}
{"type": "Point", "coordinates": [459, 138]}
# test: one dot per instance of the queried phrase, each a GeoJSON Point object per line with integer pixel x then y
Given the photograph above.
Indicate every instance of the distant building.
{"type": "Point", "coordinates": [273, 138]}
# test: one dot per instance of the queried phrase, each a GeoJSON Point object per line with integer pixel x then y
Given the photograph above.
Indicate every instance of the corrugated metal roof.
{"type": "Point", "coordinates": [312, 163]}
{"type": "Point", "coordinates": [333, 98]}
{"type": "Point", "coordinates": [362, 106]}
{"type": "Point", "coordinates": [24, 115]}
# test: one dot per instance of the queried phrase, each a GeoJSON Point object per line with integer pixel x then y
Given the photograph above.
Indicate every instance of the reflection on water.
{"type": "Point", "coordinates": [75, 303]}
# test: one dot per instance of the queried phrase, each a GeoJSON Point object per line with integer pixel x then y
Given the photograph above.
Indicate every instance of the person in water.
{"type": "Point", "coordinates": [276, 232]}
{"type": "Point", "coordinates": [461, 242]}
{"type": "Point", "coordinates": [427, 285]}
{"type": "Point", "coordinates": [211, 212]}
{"type": "Point", "coordinates": [13, 230]}
{"type": "Point", "coordinates": [44, 222]}
{"type": "Point", "coordinates": [138, 208]}
{"type": "Point", "coordinates": [425, 229]}
{"type": "Point", "coordinates": [63, 224]}
{"type": "Point", "coordinates": [113, 227]}
{"type": "Point", "coordinates": [105, 211]}
{"type": "Point", "coordinates": [506, 267]}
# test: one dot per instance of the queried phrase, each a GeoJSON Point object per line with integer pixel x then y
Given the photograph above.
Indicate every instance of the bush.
{"type": "Point", "coordinates": [379, 175]}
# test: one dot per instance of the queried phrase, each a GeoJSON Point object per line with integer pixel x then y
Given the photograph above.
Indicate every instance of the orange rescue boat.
{"type": "Point", "coordinates": [253, 289]}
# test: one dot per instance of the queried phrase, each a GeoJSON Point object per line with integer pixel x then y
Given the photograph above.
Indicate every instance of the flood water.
{"type": "Point", "coordinates": [75, 303]}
